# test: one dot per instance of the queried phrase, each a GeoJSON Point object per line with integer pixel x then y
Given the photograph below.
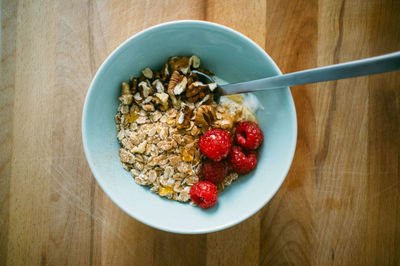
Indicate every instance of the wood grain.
{"type": "Point", "coordinates": [339, 205]}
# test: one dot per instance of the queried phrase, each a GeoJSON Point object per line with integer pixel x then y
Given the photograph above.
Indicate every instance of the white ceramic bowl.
{"type": "Point", "coordinates": [233, 57]}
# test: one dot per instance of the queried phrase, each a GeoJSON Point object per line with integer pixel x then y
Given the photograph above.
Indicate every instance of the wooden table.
{"type": "Point", "coordinates": [339, 205]}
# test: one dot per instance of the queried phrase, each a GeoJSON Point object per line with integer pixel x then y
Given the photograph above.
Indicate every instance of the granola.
{"type": "Point", "coordinates": [160, 119]}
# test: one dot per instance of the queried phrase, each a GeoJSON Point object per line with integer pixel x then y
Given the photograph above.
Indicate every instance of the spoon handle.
{"type": "Point", "coordinates": [368, 66]}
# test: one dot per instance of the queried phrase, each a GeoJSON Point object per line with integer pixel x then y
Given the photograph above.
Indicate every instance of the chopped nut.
{"type": "Point", "coordinates": [204, 100]}
{"type": "Point", "coordinates": [147, 100]}
{"type": "Point", "coordinates": [158, 85]}
{"type": "Point", "coordinates": [195, 88]}
{"type": "Point", "coordinates": [165, 72]}
{"type": "Point", "coordinates": [138, 98]}
{"type": "Point", "coordinates": [176, 102]}
{"type": "Point", "coordinates": [194, 61]}
{"type": "Point", "coordinates": [157, 75]}
{"type": "Point", "coordinates": [124, 109]}
{"type": "Point", "coordinates": [145, 89]}
{"type": "Point", "coordinates": [205, 116]}
{"type": "Point", "coordinates": [163, 97]}
{"type": "Point", "coordinates": [133, 82]}
{"type": "Point", "coordinates": [125, 90]}
{"type": "Point", "coordinates": [183, 118]}
{"type": "Point", "coordinates": [177, 83]}
{"type": "Point", "coordinates": [126, 99]}
{"type": "Point", "coordinates": [179, 64]}
{"type": "Point", "coordinates": [147, 73]}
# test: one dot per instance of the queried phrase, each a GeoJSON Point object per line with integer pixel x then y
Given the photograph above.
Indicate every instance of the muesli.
{"type": "Point", "coordinates": [162, 116]}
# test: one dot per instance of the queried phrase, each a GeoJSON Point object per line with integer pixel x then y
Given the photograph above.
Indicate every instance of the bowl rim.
{"type": "Point", "coordinates": [96, 175]}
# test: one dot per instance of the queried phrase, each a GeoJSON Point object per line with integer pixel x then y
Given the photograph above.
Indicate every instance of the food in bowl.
{"type": "Point", "coordinates": [179, 138]}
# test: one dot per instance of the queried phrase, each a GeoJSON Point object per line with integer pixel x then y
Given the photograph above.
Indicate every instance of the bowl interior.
{"type": "Point", "coordinates": [233, 58]}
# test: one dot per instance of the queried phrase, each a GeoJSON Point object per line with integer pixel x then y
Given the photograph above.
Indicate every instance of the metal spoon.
{"type": "Point", "coordinates": [367, 66]}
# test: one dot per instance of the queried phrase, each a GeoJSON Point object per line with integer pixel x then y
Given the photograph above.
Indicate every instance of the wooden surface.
{"type": "Point", "coordinates": [339, 205]}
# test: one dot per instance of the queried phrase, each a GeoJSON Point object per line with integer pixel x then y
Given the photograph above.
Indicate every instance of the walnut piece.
{"type": "Point", "coordinates": [163, 97]}
{"type": "Point", "coordinates": [126, 99]}
{"type": "Point", "coordinates": [197, 90]}
{"type": "Point", "coordinates": [125, 89]}
{"type": "Point", "coordinates": [181, 64]}
{"type": "Point", "coordinates": [126, 94]}
{"type": "Point", "coordinates": [158, 85]}
{"type": "Point", "coordinates": [177, 83]}
{"type": "Point", "coordinates": [147, 73]}
{"type": "Point", "coordinates": [133, 82]}
{"type": "Point", "coordinates": [165, 72]}
{"type": "Point", "coordinates": [194, 61]}
{"type": "Point", "coordinates": [183, 117]}
{"type": "Point", "coordinates": [145, 89]}
{"type": "Point", "coordinates": [205, 116]}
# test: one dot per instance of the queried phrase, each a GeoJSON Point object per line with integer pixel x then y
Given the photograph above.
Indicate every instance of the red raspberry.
{"type": "Point", "coordinates": [215, 172]}
{"type": "Point", "coordinates": [215, 144]}
{"type": "Point", "coordinates": [204, 194]}
{"type": "Point", "coordinates": [248, 135]}
{"type": "Point", "coordinates": [242, 163]}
